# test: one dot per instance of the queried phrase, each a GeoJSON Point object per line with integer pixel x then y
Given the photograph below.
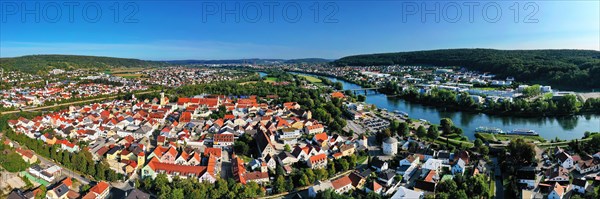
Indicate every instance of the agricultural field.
{"type": "Point", "coordinates": [127, 73]}
{"type": "Point", "coordinates": [249, 82]}
{"type": "Point", "coordinates": [311, 79]}
{"type": "Point", "coordinates": [129, 76]}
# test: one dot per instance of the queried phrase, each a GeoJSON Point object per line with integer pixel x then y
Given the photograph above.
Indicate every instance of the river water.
{"type": "Point", "coordinates": [566, 128]}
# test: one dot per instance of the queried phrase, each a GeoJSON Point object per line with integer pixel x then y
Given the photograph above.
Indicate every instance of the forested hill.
{"type": "Point", "coordinates": [559, 68]}
{"type": "Point", "coordinates": [43, 63]}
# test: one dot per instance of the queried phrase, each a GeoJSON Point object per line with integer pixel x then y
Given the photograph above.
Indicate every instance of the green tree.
{"type": "Point", "coordinates": [568, 104]}
{"type": "Point", "coordinates": [403, 129]}
{"type": "Point", "coordinates": [421, 132]}
{"type": "Point", "coordinates": [478, 143]}
{"type": "Point", "coordinates": [433, 132]}
{"type": "Point", "coordinates": [521, 152]}
{"type": "Point", "coordinates": [446, 124]}
{"type": "Point", "coordinates": [280, 184]}
{"type": "Point", "coordinates": [177, 194]}
{"type": "Point", "coordinates": [361, 98]}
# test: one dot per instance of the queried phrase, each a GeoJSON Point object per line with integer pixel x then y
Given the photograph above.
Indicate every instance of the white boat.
{"type": "Point", "coordinates": [523, 132]}
{"type": "Point", "coordinates": [484, 129]}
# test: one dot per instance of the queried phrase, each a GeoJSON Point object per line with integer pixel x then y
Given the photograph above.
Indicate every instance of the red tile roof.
{"type": "Point", "coordinates": [212, 151]}
{"type": "Point", "coordinates": [341, 182]}
{"type": "Point", "coordinates": [337, 95]}
{"type": "Point", "coordinates": [318, 158]}
{"type": "Point", "coordinates": [223, 138]}
{"type": "Point", "coordinates": [321, 137]}
{"type": "Point", "coordinates": [175, 168]}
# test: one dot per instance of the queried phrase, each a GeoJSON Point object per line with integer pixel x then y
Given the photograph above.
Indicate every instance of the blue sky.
{"type": "Point", "coordinates": [170, 30]}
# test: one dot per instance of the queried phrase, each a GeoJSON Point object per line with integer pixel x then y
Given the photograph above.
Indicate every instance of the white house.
{"type": "Point", "coordinates": [565, 160]}
{"type": "Point", "coordinates": [433, 164]}
{"type": "Point", "coordinates": [405, 193]}
{"type": "Point", "coordinates": [458, 167]}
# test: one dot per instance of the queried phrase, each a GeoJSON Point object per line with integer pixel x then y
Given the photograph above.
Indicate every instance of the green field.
{"type": "Point", "coordinates": [311, 79]}
{"type": "Point", "coordinates": [129, 76]}
{"type": "Point", "coordinates": [503, 137]}
{"type": "Point", "coordinates": [271, 79]}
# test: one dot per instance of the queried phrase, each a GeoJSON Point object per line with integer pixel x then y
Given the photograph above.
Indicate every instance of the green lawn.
{"type": "Point", "coordinates": [455, 143]}
{"type": "Point", "coordinates": [33, 178]}
{"type": "Point", "coordinates": [485, 136]}
{"type": "Point", "coordinates": [503, 137]}
{"type": "Point", "coordinates": [311, 79]}
{"type": "Point", "coordinates": [361, 159]}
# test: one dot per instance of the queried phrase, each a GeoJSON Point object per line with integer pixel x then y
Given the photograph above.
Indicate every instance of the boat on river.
{"type": "Point", "coordinates": [523, 132]}
{"type": "Point", "coordinates": [484, 129]}
{"type": "Point", "coordinates": [401, 113]}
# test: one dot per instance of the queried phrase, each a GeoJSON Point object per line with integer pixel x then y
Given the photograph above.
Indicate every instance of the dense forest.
{"type": "Point", "coordinates": [43, 63]}
{"type": "Point", "coordinates": [558, 68]}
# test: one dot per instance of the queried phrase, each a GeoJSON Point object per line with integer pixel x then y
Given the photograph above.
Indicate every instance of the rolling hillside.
{"type": "Point", "coordinates": [43, 63]}
{"type": "Point", "coordinates": [559, 68]}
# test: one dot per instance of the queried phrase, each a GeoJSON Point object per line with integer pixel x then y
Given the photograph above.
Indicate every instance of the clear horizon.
{"type": "Point", "coordinates": [215, 30]}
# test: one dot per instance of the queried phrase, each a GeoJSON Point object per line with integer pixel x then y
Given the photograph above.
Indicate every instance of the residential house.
{"type": "Point", "coordinates": [154, 167]}
{"type": "Point", "coordinates": [314, 129]}
{"type": "Point", "coordinates": [99, 191]}
{"type": "Point", "coordinates": [320, 139]}
{"type": "Point", "coordinates": [405, 193]}
{"type": "Point", "coordinates": [373, 187]}
{"type": "Point", "coordinates": [342, 185]}
{"type": "Point", "coordinates": [264, 144]}
{"type": "Point", "coordinates": [408, 166]}
{"type": "Point", "coordinates": [317, 161]}
{"type": "Point", "coordinates": [557, 192]}
{"type": "Point", "coordinates": [284, 158]}
{"type": "Point", "coordinates": [257, 176]}
{"type": "Point", "coordinates": [27, 155]}
{"type": "Point", "coordinates": [579, 185]}
{"type": "Point", "coordinates": [458, 167]}
{"type": "Point", "coordinates": [271, 162]}
{"type": "Point", "coordinates": [386, 177]}
{"type": "Point", "coordinates": [223, 140]}
{"type": "Point", "coordinates": [379, 165]}
{"type": "Point", "coordinates": [557, 174]}
{"type": "Point", "coordinates": [58, 192]}
{"type": "Point", "coordinates": [588, 164]}
{"type": "Point", "coordinates": [527, 176]}
{"type": "Point", "coordinates": [565, 160]}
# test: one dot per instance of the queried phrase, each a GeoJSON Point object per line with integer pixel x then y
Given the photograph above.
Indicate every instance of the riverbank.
{"type": "Point", "coordinates": [562, 127]}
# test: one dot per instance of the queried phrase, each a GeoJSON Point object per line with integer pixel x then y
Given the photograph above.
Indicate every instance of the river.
{"type": "Point", "coordinates": [566, 128]}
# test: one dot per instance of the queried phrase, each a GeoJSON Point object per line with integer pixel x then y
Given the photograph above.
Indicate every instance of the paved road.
{"type": "Point", "coordinates": [68, 103]}
{"type": "Point", "coordinates": [65, 171]}
{"type": "Point", "coordinates": [499, 185]}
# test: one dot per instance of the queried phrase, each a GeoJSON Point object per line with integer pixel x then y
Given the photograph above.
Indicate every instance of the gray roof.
{"type": "Point", "coordinates": [61, 190]}
{"type": "Point", "coordinates": [137, 194]}
{"type": "Point", "coordinates": [387, 174]}
{"type": "Point", "coordinates": [391, 140]}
